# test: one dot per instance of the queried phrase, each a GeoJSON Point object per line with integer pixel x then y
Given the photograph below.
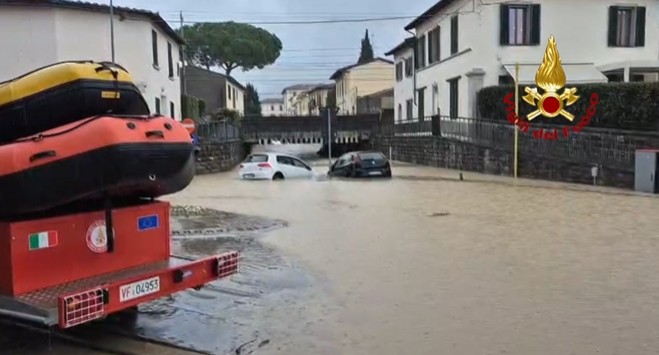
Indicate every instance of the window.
{"type": "Point", "coordinates": [454, 34]}
{"type": "Point", "coordinates": [157, 105]}
{"type": "Point", "coordinates": [172, 112]}
{"type": "Point", "coordinates": [229, 92]}
{"type": "Point", "coordinates": [257, 158]}
{"type": "Point", "coordinates": [434, 46]}
{"type": "Point", "coordinates": [299, 164]}
{"type": "Point", "coordinates": [506, 80]}
{"type": "Point", "coordinates": [399, 71]}
{"type": "Point", "coordinates": [626, 26]}
{"type": "Point", "coordinates": [154, 47]}
{"type": "Point", "coordinates": [520, 25]}
{"type": "Point", "coordinates": [170, 60]}
{"type": "Point", "coordinates": [453, 97]}
{"type": "Point", "coordinates": [281, 108]}
{"type": "Point", "coordinates": [284, 160]}
{"type": "Point", "coordinates": [409, 109]}
{"type": "Point", "coordinates": [409, 67]}
{"type": "Point", "coordinates": [272, 108]}
{"type": "Point", "coordinates": [421, 52]}
{"type": "Point", "coordinates": [400, 112]}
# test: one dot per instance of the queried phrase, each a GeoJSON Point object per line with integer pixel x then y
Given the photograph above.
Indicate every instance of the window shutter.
{"type": "Point", "coordinates": [613, 25]}
{"type": "Point", "coordinates": [431, 46]}
{"type": "Point", "coordinates": [535, 24]}
{"type": "Point", "coordinates": [454, 34]}
{"type": "Point", "coordinates": [503, 21]}
{"type": "Point", "coordinates": [640, 27]}
{"type": "Point", "coordinates": [439, 43]}
{"type": "Point", "coordinates": [416, 53]}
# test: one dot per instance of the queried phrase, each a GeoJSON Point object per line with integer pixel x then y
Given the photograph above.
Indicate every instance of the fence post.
{"type": "Point", "coordinates": [436, 127]}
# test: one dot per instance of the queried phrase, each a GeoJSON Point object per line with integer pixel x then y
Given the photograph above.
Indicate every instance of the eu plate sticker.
{"type": "Point", "coordinates": [148, 222]}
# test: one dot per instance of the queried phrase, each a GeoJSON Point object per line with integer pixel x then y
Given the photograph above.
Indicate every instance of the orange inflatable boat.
{"type": "Point", "coordinates": [116, 156]}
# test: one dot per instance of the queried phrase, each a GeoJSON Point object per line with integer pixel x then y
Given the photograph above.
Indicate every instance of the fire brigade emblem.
{"type": "Point", "coordinates": [97, 239]}
{"type": "Point", "coordinates": [550, 77]}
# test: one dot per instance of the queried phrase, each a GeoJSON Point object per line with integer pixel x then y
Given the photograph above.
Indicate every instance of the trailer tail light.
{"type": "Point", "coordinates": [227, 264]}
{"type": "Point", "coordinates": [265, 165]}
{"type": "Point", "coordinates": [81, 307]}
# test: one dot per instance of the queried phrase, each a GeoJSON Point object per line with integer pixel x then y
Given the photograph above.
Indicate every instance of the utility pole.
{"type": "Point", "coordinates": [329, 135]}
{"type": "Point", "coordinates": [112, 31]}
{"type": "Point", "coordinates": [183, 83]}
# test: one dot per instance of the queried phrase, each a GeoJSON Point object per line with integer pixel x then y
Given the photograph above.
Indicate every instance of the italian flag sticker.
{"type": "Point", "coordinates": [43, 240]}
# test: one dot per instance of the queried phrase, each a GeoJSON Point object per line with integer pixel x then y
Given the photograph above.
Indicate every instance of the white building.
{"type": "Point", "coordinates": [290, 96]}
{"type": "Point", "coordinates": [40, 33]}
{"type": "Point", "coordinates": [465, 45]}
{"type": "Point", "coordinates": [404, 87]}
{"type": "Point", "coordinates": [272, 107]}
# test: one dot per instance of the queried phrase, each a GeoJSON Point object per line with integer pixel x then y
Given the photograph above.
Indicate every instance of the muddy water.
{"type": "Point", "coordinates": [428, 264]}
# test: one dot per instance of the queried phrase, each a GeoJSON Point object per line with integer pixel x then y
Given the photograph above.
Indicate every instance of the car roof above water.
{"type": "Point", "coordinates": [273, 155]}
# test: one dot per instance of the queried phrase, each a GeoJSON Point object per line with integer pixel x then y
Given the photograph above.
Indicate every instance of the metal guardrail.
{"type": "Point", "coordinates": [217, 132]}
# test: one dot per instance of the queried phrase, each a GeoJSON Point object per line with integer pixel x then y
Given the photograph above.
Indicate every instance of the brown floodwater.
{"type": "Point", "coordinates": [427, 264]}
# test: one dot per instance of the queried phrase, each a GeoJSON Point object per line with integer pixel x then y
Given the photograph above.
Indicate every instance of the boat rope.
{"type": "Point", "coordinates": [40, 136]}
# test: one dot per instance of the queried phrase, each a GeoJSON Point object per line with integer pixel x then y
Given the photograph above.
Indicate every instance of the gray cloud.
{"type": "Point", "coordinates": [311, 51]}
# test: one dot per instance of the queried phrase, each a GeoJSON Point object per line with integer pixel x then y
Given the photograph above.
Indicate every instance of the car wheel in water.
{"type": "Point", "coordinates": [278, 176]}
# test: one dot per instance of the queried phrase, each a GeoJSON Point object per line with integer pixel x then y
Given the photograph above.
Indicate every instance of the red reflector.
{"type": "Point", "coordinates": [264, 165]}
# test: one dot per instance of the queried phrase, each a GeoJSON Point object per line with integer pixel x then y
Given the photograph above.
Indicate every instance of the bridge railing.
{"type": "Point", "coordinates": [217, 132]}
{"type": "Point", "coordinates": [475, 130]}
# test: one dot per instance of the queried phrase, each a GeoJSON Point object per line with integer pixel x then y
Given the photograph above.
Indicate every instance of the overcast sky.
{"type": "Point", "coordinates": [312, 52]}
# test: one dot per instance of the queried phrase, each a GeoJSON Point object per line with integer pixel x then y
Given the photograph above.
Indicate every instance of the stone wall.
{"type": "Point", "coordinates": [219, 157]}
{"type": "Point", "coordinates": [568, 160]}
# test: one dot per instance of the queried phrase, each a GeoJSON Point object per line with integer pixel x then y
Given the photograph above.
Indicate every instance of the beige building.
{"type": "Point", "coordinates": [359, 80]}
{"type": "Point", "coordinates": [219, 91]}
{"type": "Point", "coordinates": [272, 107]}
{"type": "Point", "coordinates": [290, 96]}
{"type": "Point", "coordinates": [318, 98]}
{"type": "Point", "coordinates": [309, 103]}
{"type": "Point", "coordinates": [376, 102]}
{"type": "Point", "coordinates": [301, 105]}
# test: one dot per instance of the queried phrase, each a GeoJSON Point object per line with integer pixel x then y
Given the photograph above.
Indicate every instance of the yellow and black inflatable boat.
{"type": "Point", "coordinates": [66, 92]}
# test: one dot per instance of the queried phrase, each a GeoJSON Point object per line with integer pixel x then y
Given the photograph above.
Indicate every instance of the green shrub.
{"type": "Point", "coordinates": [192, 107]}
{"type": "Point", "coordinates": [629, 106]}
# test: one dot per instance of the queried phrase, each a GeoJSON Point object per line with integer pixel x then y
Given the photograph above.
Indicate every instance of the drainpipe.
{"type": "Point", "coordinates": [413, 66]}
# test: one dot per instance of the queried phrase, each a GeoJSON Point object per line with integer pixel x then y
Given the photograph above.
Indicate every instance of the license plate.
{"type": "Point", "coordinates": [248, 176]}
{"type": "Point", "coordinates": [375, 173]}
{"type": "Point", "coordinates": [139, 289]}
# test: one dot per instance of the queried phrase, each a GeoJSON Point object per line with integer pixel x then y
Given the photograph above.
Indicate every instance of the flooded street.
{"type": "Point", "coordinates": [424, 263]}
{"type": "Point", "coordinates": [428, 264]}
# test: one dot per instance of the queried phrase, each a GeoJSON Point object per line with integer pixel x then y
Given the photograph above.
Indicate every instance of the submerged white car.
{"type": "Point", "coordinates": [274, 166]}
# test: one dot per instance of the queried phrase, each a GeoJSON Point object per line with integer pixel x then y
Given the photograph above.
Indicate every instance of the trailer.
{"type": "Point", "coordinates": [72, 268]}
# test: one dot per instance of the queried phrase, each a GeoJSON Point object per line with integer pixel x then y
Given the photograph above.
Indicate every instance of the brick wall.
{"type": "Point", "coordinates": [218, 157]}
{"type": "Point", "coordinates": [569, 160]}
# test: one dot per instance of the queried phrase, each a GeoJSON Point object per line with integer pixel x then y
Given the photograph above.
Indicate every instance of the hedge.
{"type": "Point", "coordinates": [192, 107]}
{"type": "Point", "coordinates": [629, 106]}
